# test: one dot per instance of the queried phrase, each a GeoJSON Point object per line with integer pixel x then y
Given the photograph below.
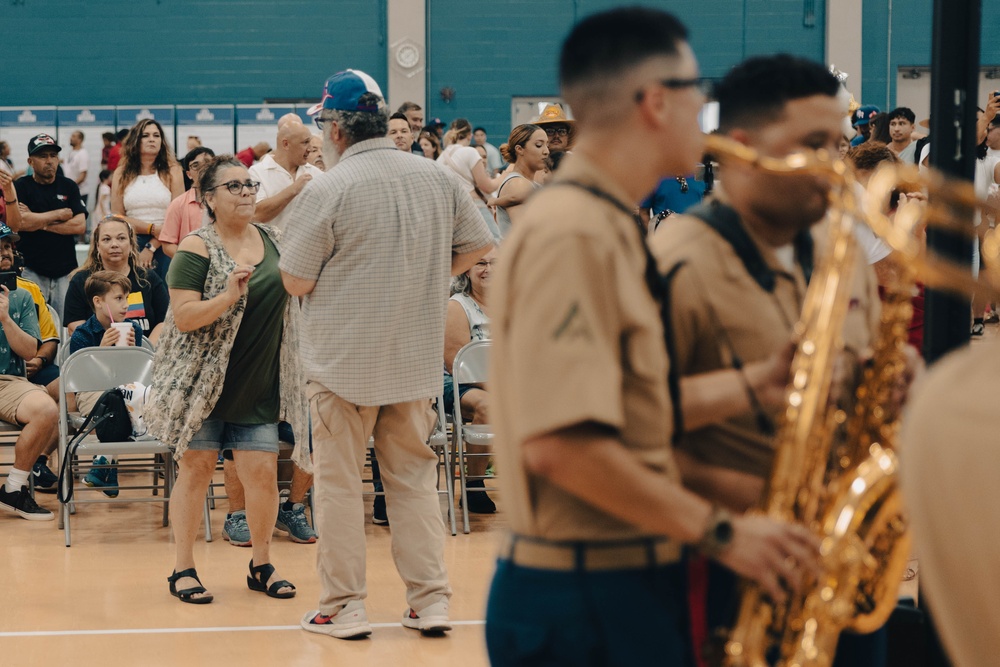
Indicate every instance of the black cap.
{"type": "Point", "coordinates": [42, 141]}
{"type": "Point", "coordinates": [6, 231]}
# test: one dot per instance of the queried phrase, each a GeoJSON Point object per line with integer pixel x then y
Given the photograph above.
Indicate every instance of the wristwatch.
{"type": "Point", "coordinates": [149, 246]}
{"type": "Point", "coordinates": [718, 533]}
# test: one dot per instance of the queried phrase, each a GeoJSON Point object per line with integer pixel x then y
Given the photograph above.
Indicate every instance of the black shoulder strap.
{"type": "Point", "coordinates": [659, 287]}
{"type": "Point", "coordinates": [673, 375]}
{"type": "Point", "coordinates": [726, 222]}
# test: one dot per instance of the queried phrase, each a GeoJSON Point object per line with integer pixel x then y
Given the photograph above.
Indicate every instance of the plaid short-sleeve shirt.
{"type": "Point", "coordinates": [377, 232]}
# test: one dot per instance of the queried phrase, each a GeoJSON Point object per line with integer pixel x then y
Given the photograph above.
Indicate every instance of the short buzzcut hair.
{"type": "Point", "coordinates": [605, 44]}
{"type": "Point", "coordinates": [901, 112]}
{"type": "Point", "coordinates": [399, 116]}
{"type": "Point", "coordinates": [755, 92]}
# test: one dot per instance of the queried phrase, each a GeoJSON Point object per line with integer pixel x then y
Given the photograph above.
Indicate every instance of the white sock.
{"type": "Point", "coordinates": [15, 480]}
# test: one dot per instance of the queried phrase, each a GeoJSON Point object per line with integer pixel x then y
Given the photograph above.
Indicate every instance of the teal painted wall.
{"type": "Point", "coordinates": [490, 52]}
{"type": "Point", "coordinates": [911, 38]}
{"type": "Point", "coordinates": [97, 52]}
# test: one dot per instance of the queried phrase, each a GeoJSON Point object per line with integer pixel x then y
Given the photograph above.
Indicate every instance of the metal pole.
{"type": "Point", "coordinates": [954, 86]}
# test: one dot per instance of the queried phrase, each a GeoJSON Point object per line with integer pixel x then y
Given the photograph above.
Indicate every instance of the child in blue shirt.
{"type": "Point", "coordinates": [107, 292]}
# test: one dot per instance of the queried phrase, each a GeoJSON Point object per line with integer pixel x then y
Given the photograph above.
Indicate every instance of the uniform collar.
{"type": "Point", "coordinates": [577, 168]}
{"type": "Point", "coordinates": [759, 250]}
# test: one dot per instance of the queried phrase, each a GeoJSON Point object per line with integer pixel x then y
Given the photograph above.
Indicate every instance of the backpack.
{"type": "Point", "coordinates": [109, 420]}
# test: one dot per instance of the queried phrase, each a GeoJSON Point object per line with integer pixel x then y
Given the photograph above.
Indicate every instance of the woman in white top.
{"type": "Point", "coordinates": [145, 182]}
{"type": "Point", "coordinates": [526, 151]}
{"type": "Point", "coordinates": [465, 163]}
{"type": "Point", "coordinates": [468, 320]}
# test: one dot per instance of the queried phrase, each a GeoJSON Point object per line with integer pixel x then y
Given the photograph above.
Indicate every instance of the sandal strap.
{"type": "Point", "coordinates": [278, 585]}
{"type": "Point", "coordinates": [265, 571]}
{"type": "Point", "coordinates": [190, 572]}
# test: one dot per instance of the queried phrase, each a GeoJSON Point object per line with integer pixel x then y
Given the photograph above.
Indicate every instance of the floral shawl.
{"type": "Point", "coordinates": [190, 368]}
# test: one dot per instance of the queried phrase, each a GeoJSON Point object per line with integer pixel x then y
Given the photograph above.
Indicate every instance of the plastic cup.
{"type": "Point", "coordinates": [123, 329]}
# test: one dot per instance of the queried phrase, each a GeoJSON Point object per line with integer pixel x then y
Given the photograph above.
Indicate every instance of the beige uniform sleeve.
{"type": "Point", "coordinates": [564, 337]}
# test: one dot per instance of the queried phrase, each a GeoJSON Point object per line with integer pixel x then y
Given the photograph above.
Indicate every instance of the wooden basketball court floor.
{"type": "Point", "coordinates": [104, 601]}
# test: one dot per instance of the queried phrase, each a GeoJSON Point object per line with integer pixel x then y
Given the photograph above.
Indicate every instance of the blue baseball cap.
{"type": "Point", "coordinates": [343, 91]}
{"type": "Point", "coordinates": [864, 115]}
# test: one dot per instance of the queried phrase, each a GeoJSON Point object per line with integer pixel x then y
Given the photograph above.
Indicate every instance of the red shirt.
{"type": "Point", "coordinates": [246, 156]}
{"type": "Point", "coordinates": [114, 157]}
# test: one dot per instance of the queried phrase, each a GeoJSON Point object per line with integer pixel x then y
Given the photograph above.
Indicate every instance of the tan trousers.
{"type": "Point", "coordinates": [409, 474]}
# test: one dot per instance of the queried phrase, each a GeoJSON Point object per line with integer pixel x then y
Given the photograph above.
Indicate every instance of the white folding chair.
{"type": "Point", "coordinates": [471, 366]}
{"type": "Point", "coordinates": [439, 441]}
{"type": "Point", "coordinates": [100, 369]}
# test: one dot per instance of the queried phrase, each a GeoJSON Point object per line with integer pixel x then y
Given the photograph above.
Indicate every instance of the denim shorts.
{"type": "Point", "coordinates": [215, 435]}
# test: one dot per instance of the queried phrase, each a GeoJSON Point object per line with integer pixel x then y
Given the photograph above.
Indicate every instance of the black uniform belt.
{"type": "Point", "coordinates": [542, 554]}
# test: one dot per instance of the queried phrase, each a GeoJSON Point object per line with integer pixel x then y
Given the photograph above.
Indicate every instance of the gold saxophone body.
{"type": "Point", "coordinates": [835, 467]}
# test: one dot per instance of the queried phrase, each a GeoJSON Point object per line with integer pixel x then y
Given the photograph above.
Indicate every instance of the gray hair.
{"type": "Point", "coordinates": [210, 178]}
{"type": "Point", "coordinates": [361, 125]}
{"type": "Point", "coordinates": [461, 284]}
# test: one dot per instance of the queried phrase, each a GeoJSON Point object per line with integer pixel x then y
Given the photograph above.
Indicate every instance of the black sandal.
{"type": "Point", "coordinates": [260, 575]}
{"type": "Point", "coordinates": [187, 594]}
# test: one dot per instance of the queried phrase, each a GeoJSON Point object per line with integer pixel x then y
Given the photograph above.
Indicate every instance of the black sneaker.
{"type": "Point", "coordinates": [379, 517]}
{"type": "Point", "coordinates": [479, 502]}
{"type": "Point", "coordinates": [22, 504]}
{"type": "Point", "coordinates": [45, 480]}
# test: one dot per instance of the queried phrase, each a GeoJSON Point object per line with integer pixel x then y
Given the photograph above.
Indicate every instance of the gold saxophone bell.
{"type": "Point", "coordinates": [835, 468]}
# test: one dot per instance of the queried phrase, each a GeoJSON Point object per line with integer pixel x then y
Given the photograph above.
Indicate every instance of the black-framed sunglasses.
{"type": "Point", "coordinates": [319, 122]}
{"type": "Point", "coordinates": [236, 187]}
{"type": "Point", "coordinates": [703, 85]}
{"type": "Point", "coordinates": [557, 131]}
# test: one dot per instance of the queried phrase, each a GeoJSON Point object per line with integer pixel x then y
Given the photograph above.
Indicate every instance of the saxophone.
{"type": "Point", "coordinates": [847, 492]}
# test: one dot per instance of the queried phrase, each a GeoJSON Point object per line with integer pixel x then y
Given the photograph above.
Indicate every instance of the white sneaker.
{"type": "Point", "coordinates": [351, 622]}
{"type": "Point", "coordinates": [432, 620]}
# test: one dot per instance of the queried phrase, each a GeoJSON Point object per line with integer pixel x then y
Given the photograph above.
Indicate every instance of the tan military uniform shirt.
{"type": "Point", "coordinates": [577, 338]}
{"type": "Point", "coordinates": [719, 310]}
{"type": "Point", "coordinates": [949, 469]}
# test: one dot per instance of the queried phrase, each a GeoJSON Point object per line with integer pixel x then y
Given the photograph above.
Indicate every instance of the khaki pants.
{"type": "Point", "coordinates": [409, 474]}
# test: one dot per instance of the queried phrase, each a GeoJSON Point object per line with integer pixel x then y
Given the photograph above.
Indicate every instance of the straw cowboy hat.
{"type": "Point", "coordinates": [554, 113]}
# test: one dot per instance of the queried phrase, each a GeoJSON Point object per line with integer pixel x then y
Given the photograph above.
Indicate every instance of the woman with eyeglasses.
{"type": "Point", "coordinates": [226, 372]}
{"type": "Point", "coordinates": [147, 179]}
{"type": "Point", "coordinates": [113, 248]}
{"type": "Point", "coordinates": [468, 320]}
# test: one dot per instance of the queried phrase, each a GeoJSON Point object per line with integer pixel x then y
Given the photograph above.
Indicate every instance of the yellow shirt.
{"type": "Point", "coordinates": [45, 324]}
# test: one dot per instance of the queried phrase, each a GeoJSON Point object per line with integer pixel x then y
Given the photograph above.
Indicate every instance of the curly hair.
{"type": "Point", "coordinates": [94, 263]}
{"type": "Point", "coordinates": [131, 164]}
{"type": "Point", "coordinates": [358, 126]}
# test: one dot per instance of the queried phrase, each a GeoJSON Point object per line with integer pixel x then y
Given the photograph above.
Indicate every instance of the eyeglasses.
{"type": "Point", "coordinates": [557, 131]}
{"type": "Point", "coordinates": [236, 187]}
{"type": "Point", "coordinates": [482, 264]}
{"type": "Point", "coordinates": [319, 122]}
{"type": "Point", "coordinates": [703, 85]}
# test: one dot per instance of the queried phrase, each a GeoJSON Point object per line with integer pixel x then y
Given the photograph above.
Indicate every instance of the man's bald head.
{"type": "Point", "coordinates": [293, 144]}
{"type": "Point", "coordinates": [289, 118]}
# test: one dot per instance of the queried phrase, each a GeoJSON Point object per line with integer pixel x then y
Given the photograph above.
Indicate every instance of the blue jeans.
{"type": "Point", "coordinates": [619, 617]}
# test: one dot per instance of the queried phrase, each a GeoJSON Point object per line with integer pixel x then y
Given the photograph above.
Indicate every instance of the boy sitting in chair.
{"type": "Point", "coordinates": [107, 292]}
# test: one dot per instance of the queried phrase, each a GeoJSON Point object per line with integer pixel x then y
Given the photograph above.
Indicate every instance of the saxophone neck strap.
{"type": "Point", "coordinates": [726, 222]}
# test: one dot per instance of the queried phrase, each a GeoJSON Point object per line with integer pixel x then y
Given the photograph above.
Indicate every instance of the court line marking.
{"type": "Point", "coordinates": [169, 631]}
